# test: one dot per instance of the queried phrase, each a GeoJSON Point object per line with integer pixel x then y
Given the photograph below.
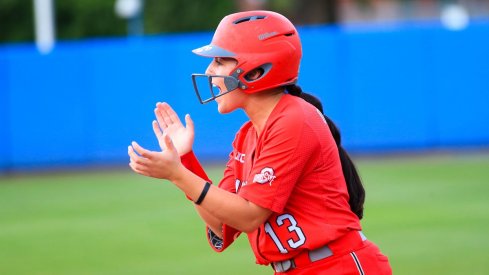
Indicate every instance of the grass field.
{"type": "Point", "coordinates": [430, 215]}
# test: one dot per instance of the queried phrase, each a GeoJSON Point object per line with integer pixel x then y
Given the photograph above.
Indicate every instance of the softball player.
{"type": "Point", "coordinates": [288, 184]}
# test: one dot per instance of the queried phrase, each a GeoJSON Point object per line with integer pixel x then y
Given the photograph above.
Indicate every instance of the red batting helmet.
{"type": "Point", "coordinates": [256, 40]}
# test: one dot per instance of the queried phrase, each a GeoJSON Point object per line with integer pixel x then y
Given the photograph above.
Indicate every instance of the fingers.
{"type": "Point", "coordinates": [169, 143]}
{"type": "Point", "coordinates": [138, 169]}
{"type": "Point", "coordinates": [170, 112]}
{"type": "Point", "coordinates": [135, 158]}
{"type": "Point", "coordinates": [158, 134]}
{"type": "Point", "coordinates": [137, 163]}
{"type": "Point", "coordinates": [189, 123]}
{"type": "Point", "coordinates": [154, 164]}
{"type": "Point", "coordinates": [159, 118]}
{"type": "Point", "coordinates": [157, 129]}
{"type": "Point", "coordinates": [166, 118]}
{"type": "Point", "coordinates": [141, 151]}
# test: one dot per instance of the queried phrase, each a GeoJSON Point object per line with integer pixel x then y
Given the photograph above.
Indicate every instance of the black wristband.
{"type": "Point", "coordinates": [204, 193]}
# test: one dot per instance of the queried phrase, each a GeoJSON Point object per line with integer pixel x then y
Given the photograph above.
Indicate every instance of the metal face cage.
{"type": "Point", "coordinates": [231, 83]}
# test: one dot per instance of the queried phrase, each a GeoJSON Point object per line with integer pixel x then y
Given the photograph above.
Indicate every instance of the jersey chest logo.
{"type": "Point", "coordinates": [266, 175]}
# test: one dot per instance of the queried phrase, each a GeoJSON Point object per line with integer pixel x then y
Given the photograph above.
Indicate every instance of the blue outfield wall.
{"type": "Point", "coordinates": [387, 87]}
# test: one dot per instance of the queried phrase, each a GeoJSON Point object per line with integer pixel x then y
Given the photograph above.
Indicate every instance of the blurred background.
{"type": "Point", "coordinates": [407, 82]}
{"type": "Point", "coordinates": [396, 76]}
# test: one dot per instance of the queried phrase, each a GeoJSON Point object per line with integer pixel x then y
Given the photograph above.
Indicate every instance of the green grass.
{"type": "Point", "coordinates": [430, 215]}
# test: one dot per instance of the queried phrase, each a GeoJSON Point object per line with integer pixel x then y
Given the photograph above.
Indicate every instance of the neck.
{"type": "Point", "coordinates": [259, 107]}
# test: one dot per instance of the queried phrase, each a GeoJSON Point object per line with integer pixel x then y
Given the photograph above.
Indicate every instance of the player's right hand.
{"type": "Point", "coordinates": [167, 121]}
{"type": "Point", "coordinates": [161, 165]}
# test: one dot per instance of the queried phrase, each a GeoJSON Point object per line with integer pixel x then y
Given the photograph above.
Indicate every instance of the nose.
{"type": "Point", "coordinates": [210, 68]}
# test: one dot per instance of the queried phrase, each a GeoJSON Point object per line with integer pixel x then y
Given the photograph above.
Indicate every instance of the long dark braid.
{"type": "Point", "coordinates": [353, 181]}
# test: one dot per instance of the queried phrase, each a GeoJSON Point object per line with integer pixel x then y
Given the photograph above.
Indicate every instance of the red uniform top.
{"type": "Point", "coordinates": [292, 168]}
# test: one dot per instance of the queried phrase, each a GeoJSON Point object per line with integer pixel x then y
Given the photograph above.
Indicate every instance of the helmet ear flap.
{"type": "Point", "coordinates": [258, 72]}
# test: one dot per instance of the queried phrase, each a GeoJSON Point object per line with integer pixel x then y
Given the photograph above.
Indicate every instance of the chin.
{"type": "Point", "coordinates": [223, 110]}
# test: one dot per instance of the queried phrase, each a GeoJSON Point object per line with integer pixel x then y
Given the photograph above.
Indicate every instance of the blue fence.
{"type": "Point", "coordinates": [388, 88]}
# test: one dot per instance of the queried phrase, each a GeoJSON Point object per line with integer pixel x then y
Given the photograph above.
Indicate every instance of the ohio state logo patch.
{"type": "Point", "coordinates": [266, 175]}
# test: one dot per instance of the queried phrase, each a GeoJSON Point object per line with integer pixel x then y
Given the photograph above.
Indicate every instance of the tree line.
{"type": "Point", "coordinates": [76, 19]}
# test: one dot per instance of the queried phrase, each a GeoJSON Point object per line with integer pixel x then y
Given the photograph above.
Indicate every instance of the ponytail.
{"type": "Point", "coordinates": [353, 181]}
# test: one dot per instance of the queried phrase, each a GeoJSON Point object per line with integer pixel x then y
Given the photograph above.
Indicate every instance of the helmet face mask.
{"type": "Point", "coordinates": [231, 83]}
{"type": "Point", "coordinates": [261, 40]}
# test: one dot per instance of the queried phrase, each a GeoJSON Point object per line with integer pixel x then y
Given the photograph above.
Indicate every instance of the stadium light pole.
{"type": "Point", "coordinates": [44, 25]}
{"type": "Point", "coordinates": [132, 11]}
{"type": "Point", "coordinates": [454, 16]}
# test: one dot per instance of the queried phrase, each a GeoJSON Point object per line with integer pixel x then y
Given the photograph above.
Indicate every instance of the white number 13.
{"type": "Point", "coordinates": [293, 228]}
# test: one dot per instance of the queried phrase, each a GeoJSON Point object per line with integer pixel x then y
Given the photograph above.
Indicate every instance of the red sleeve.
{"type": "Point", "coordinates": [190, 161]}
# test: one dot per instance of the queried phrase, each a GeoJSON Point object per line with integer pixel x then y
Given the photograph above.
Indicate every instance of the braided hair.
{"type": "Point", "coordinates": [353, 181]}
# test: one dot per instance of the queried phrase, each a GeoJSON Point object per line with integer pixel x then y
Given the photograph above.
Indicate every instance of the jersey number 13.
{"type": "Point", "coordinates": [294, 242]}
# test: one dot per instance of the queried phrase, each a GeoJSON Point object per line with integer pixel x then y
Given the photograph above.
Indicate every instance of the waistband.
{"type": "Point", "coordinates": [345, 244]}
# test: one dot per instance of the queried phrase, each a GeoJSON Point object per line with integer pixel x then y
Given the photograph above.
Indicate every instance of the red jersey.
{"type": "Point", "coordinates": [292, 168]}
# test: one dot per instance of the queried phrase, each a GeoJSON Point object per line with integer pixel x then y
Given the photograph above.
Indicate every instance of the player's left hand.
{"type": "Point", "coordinates": [167, 121]}
{"type": "Point", "coordinates": [162, 165]}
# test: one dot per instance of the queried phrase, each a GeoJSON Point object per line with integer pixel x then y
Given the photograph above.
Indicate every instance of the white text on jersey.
{"type": "Point", "coordinates": [240, 157]}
